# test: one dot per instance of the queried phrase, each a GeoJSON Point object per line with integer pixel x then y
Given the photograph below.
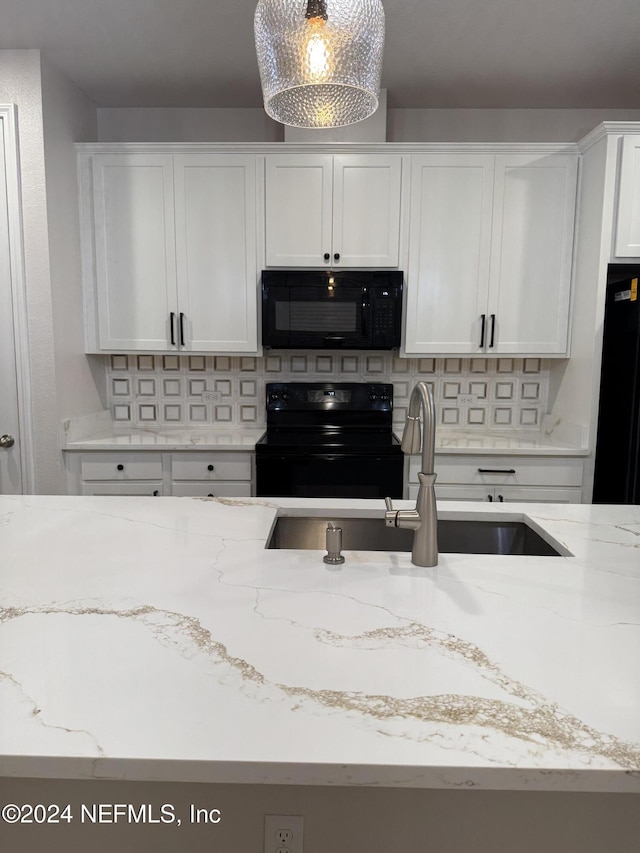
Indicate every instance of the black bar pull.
{"type": "Point", "coordinates": [483, 329]}
{"type": "Point", "coordinates": [172, 317]}
{"type": "Point", "coordinates": [181, 329]}
{"type": "Point", "coordinates": [496, 470]}
{"type": "Point", "coordinates": [493, 330]}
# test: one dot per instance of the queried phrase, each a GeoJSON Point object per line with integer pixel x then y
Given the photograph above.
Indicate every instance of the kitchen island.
{"type": "Point", "coordinates": [147, 639]}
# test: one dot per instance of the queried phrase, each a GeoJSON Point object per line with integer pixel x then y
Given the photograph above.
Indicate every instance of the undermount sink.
{"type": "Point", "coordinates": [455, 536]}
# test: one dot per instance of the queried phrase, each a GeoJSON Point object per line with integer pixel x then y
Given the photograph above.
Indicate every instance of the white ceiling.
{"type": "Point", "coordinates": [439, 53]}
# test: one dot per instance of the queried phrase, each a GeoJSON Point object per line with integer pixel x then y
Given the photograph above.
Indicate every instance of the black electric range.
{"type": "Point", "coordinates": [329, 440]}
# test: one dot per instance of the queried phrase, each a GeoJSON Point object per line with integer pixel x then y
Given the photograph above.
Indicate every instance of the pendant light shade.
{"type": "Point", "coordinates": [320, 60]}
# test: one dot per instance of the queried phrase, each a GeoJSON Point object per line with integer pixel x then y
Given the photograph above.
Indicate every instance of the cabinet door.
{"type": "Point", "coordinates": [627, 243]}
{"type": "Point", "coordinates": [135, 250]}
{"type": "Point", "coordinates": [298, 210]}
{"type": "Point", "coordinates": [449, 248]}
{"type": "Point", "coordinates": [216, 252]}
{"type": "Point", "coordinates": [366, 210]}
{"type": "Point", "coordinates": [532, 246]}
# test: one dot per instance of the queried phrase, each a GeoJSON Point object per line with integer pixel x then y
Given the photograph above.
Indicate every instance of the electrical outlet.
{"type": "Point", "coordinates": [283, 833]}
{"type": "Point", "coordinates": [467, 399]}
{"type": "Point", "coordinates": [211, 396]}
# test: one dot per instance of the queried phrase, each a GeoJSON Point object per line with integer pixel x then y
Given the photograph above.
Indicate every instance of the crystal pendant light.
{"type": "Point", "coordinates": [320, 60]}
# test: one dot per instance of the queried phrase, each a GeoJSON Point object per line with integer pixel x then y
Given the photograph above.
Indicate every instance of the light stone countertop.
{"type": "Point", "coordinates": [147, 639]}
{"type": "Point", "coordinates": [462, 442]}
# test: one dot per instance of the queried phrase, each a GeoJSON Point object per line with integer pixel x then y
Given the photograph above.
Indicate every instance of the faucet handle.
{"type": "Point", "coordinates": [391, 515]}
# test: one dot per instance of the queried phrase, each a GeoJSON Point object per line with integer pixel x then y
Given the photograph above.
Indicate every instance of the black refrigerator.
{"type": "Point", "coordinates": [617, 471]}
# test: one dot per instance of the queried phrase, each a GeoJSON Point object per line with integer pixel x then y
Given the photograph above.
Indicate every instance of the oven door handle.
{"type": "Point", "coordinates": [334, 340]}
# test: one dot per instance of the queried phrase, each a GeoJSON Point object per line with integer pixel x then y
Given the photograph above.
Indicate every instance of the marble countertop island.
{"type": "Point", "coordinates": [146, 639]}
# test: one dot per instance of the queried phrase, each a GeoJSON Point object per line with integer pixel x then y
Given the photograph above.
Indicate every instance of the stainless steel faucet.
{"type": "Point", "coordinates": [423, 520]}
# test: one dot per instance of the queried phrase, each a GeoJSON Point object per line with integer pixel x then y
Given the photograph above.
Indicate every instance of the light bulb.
{"type": "Point", "coordinates": [318, 51]}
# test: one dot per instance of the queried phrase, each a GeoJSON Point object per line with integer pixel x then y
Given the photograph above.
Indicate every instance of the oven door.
{"type": "Point", "coordinates": [335, 475]}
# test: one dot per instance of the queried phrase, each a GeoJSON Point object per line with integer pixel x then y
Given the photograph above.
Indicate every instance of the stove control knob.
{"type": "Point", "coordinates": [274, 396]}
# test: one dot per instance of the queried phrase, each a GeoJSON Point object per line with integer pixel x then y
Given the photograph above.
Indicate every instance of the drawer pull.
{"type": "Point", "coordinates": [211, 495]}
{"type": "Point", "coordinates": [490, 498]}
{"type": "Point", "coordinates": [493, 330]}
{"type": "Point", "coordinates": [496, 470]}
{"type": "Point", "coordinates": [156, 493]}
{"type": "Point", "coordinates": [209, 467]}
{"type": "Point", "coordinates": [500, 499]}
{"type": "Point", "coordinates": [120, 467]}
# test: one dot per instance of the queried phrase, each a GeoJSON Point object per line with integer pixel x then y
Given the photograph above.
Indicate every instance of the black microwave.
{"type": "Point", "coordinates": [331, 310]}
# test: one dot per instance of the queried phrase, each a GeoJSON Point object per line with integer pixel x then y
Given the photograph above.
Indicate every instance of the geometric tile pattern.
{"type": "Point", "coordinates": [470, 393]}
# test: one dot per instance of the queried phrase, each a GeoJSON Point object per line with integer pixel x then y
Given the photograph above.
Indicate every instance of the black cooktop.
{"type": "Point", "coordinates": [327, 441]}
{"type": "Point", "coordinates": [329, 417]}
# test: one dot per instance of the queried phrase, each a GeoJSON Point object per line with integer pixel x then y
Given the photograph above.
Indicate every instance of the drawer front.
{"type": "Point", "coordinates": [504, 470]}
{"type": "Point", "coordinates": [504, 494]}
{"type": "Point", "coordinates": [120, 466]}
{"type": "Point", "coordinates": [147, 489]}
{"type": "Point", "coordinates": [211, 490]}
{"type": "Point", "coordinates": [211, 466]}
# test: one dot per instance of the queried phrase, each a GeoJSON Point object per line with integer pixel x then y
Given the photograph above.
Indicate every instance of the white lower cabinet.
{"type": "Point", "coordinates": [545, 479]}
{"type": "Point", "coordinates": [198, 474]}
{"type": "Point", "coordinates": [219, 474]}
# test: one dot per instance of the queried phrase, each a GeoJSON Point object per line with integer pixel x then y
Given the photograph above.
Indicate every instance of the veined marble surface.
{"type": "Point", "coordinates": [158, 639]}
{"type": "Point", "coordinates": [462, 442]}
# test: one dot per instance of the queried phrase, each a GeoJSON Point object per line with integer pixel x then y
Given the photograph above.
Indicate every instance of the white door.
{"type": "Point", "coordinates": [298, 194]}
{"type": "Point", "coordinates": [534, 211]}
{"type": "Point", "coordinates": [11, 481]}
{"type": "Point", "coordinates": [215, 197]}
{"type": "Point", "coordinates": [449, 249]}
{"type": "Point", "coordinates": [135, 251]}
{"type": "Point", "coordinates": [366, 210]}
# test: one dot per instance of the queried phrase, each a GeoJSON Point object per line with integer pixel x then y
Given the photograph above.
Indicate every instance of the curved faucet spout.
{"type": "Point", "coordinates": [420, 433]}
{"type": "Point", "coordinates": [413, 437]}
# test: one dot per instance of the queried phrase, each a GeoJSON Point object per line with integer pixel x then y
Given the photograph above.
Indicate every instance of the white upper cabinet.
{"type": "Point", "coordinates": [531, 254]}
{"type": "Point", "coordinates": [490, 251]}
{"type": "Point", "coordinates": [449, 248]}
{"type": "Point", "coordinates": [627, 233]}
{"type": "Point", "coordinates": [174, 239]}
{"type": "Point", "coordinates": [134, 250]}
{"type": "Point", "coordinates": [325, 210]}
{"type": "Point", "coordinates": [215, 198]}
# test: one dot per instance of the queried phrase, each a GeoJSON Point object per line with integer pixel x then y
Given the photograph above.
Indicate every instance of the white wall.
{"type": "Point", "coordinates": [62, 383]}
{"type": "Point", "coordinates": [129, 124]}
{"type": "Point", "coordinates": [68, 117]}
{"type": "Point", "coordinates": [449, 125]}
{"type": "Point", "coordinates": [20, 84]}
{"type": "Point", "coordinates": [419, 125]}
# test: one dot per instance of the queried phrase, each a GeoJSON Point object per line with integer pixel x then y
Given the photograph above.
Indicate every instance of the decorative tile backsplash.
{"type": "Point", "coordinates": [176, 390]}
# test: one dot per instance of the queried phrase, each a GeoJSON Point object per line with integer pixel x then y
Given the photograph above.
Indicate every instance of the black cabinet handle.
{"type": "Point", "coordinates": [173, 328]}
{"type": "Point", "coordinates": [181, 329]}
{"type": "Point", "coordinates": [156, 493]}
{"type": "Point", "coordinates": [490, 498]}
{"type": "Point", "coordinates": [336, 257]}
{"type": "Point", "coordinates": [493, 330]}
{"type": "Point", "coordinates": [211, 495]}
{"type": "Point", "coordinates": [483, 329]}
{"type": "Point", "coordinates": [120, 467]}
{"type": "Point", "coordinates": [209, 467]}
{"type": "Point", "coordinates": [327, 256]}
{"type": "Point", "coordinates": [496, 470]}
{"type": "Point", "coordinates": [500, 498]}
